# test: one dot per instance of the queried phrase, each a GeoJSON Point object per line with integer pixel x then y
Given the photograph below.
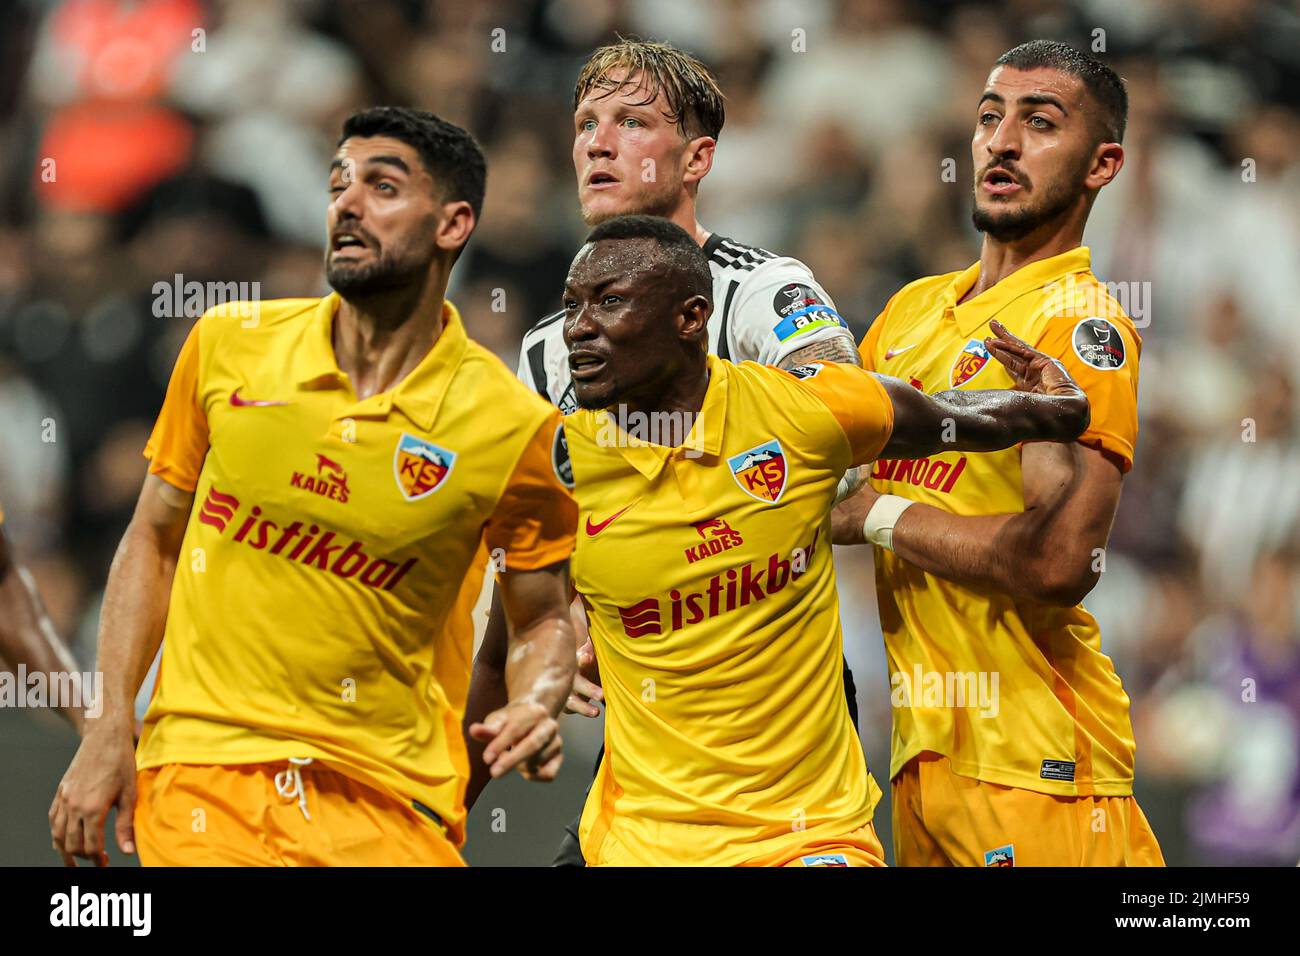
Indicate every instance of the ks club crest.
{"type": "Point", "coordinates": [420, 467]}
{"type": "Point", "coordinates": [973, 358]}
{"type": "Point", "coordinates": [761, 471]}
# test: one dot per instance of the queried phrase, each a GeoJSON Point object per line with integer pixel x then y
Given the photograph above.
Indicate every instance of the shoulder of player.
{"type": "Point", "coordinates": [263, 314]}
{"type": "Point", "coordinates": [1077, 299]}
{"type": "Point", "coordinates": [911, 306]}
{"type": "Point", "coordinates": [919, 295]}
{"type": "Point", "coordinates": [232, 322]}
{"type": "Point", "coordinates": [235, 333]}
{"type": "Point", "coordinates": [735, 257]}
{"type": "Point", "coordinates": [759, 290]}
{"type": "Point", "coordinates": [777, 268]}
{"type": "Point", "coordinates": [753, 380]}
{"type": "Point", "coordinates": [583, 423]}
{"type": "Point", "coordinates": [489, 381]}
{"type": "Point", "coordinates": [1079, 315]}
{"type": "Point", "coordinates": [798, 404]}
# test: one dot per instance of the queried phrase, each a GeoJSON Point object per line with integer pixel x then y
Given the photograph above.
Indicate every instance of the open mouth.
{"type": "Point", "coordinates": [585, 365]}
{"type": "Point", "coordinates": [600, 179]}
{"type": "Point", "coordinates": [999, 182]}
{"type": "Point", "coordinates": [345, 240]}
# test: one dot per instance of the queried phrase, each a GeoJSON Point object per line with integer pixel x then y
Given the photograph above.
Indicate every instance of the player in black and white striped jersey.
{"type": "Point", "coordinates": [646, 121]}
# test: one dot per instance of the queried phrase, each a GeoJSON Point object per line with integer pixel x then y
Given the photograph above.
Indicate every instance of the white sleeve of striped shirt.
{"type": "Point", "coordinates": [524, 373]}
{"type": "Point", "coordinates": [543, 361]}
{"type": "Point", "coordinates": [779, 309]}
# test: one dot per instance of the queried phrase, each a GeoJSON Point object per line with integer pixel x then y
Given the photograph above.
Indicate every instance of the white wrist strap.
{"type": "Point", "coordinates": [878, 529]}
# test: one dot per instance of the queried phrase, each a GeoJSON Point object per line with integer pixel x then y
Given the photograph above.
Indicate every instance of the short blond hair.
{"type": "Point", "coordinates": [694, 101]}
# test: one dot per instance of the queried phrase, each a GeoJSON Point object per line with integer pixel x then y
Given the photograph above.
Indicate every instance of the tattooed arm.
{"type": "Point", "coordinates": [838, 349]}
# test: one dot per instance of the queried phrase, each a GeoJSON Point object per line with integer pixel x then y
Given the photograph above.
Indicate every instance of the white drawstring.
{"type": "Point", "coordinates": [288, 783]}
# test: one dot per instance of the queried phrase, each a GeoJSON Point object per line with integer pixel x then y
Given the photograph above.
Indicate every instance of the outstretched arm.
{"type": "Point", "coordinates": [839, 348]}
{"type": "Point", "coordinates": [1046, 405]}
{"type": "Point", "coordinates": [1049, 551]}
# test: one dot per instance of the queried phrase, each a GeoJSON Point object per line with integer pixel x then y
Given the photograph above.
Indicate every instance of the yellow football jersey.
{"type": "Point", "coordinates": [710, 592]}
{"type": "Point", "coordinates": [1013, 692]}
{"type": "Point", "coordinates": [318, 608]}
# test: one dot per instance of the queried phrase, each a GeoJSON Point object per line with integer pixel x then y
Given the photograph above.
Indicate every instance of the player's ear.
{"type": "Point", "coordinates": [699, 159]}
{"type": "Point", "coordinates": [1107, 161]}
{"type": "Point", "coordinates": [455, 226]}
{"type": "Point", "coordinates": [693, 318]}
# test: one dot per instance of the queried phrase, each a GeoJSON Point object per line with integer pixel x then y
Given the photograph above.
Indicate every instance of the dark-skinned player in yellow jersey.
{"type": "Point", "coordinates": [727, 741]}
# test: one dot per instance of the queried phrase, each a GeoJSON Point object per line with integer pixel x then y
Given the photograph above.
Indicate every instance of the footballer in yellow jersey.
{"type": "Point", "coordinates": [702, 560]}
{"type": "Point", "coordinates": [1012, 744]}
{"type": "Point", "coordinates": [322, 481]}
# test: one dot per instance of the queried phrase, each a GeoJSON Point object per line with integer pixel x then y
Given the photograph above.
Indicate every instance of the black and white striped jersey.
{"type": "Point", "coordinates": [765, 306]}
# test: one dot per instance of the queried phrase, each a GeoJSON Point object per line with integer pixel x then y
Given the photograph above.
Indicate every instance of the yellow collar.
{"type": "Point", "coordinates": [974, 313]}
{"type": "Point", "coordinates": [419, 395]}
{"type": "Point", "coordinates": [705, 435]}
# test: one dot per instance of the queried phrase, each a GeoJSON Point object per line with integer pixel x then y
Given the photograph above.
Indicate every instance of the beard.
{"type": "Point", "coordinates": [384, 274]}
{"type": "Point", "coordinates": [1012, 224]}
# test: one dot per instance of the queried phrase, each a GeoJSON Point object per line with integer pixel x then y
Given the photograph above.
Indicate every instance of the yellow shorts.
{"type": "Point", "coordinates": [278, 814]}
{"type": "Point", "coordinates": [859, 848]}
{"type": "Point", "coordinates": [944, 819]}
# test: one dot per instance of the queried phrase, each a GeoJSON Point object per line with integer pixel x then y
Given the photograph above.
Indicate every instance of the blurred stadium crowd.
{"type": "Point", "coordinates": [135, 149]}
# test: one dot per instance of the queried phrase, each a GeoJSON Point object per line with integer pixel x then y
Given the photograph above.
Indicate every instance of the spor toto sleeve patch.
{"type": "Point", "coordinates": [1099, 344]}
{"type": "Point", "coordinates": [801, 309]}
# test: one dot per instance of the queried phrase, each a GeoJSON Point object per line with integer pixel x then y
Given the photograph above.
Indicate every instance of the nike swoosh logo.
{"type": "Point", "coordinates": [892, 352]}
{"type": "Point", "coordinates": [595, 529]}
{"type": "Point", "coordinates": [249, 402]}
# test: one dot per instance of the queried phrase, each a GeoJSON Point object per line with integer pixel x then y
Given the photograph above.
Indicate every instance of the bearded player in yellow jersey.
{"type": "Point", "coordinates": [323, 478]}
{"type": "Point", "coordinates": [1012, 744]}
{"type": "Point", "coordinates": [705, 568]}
